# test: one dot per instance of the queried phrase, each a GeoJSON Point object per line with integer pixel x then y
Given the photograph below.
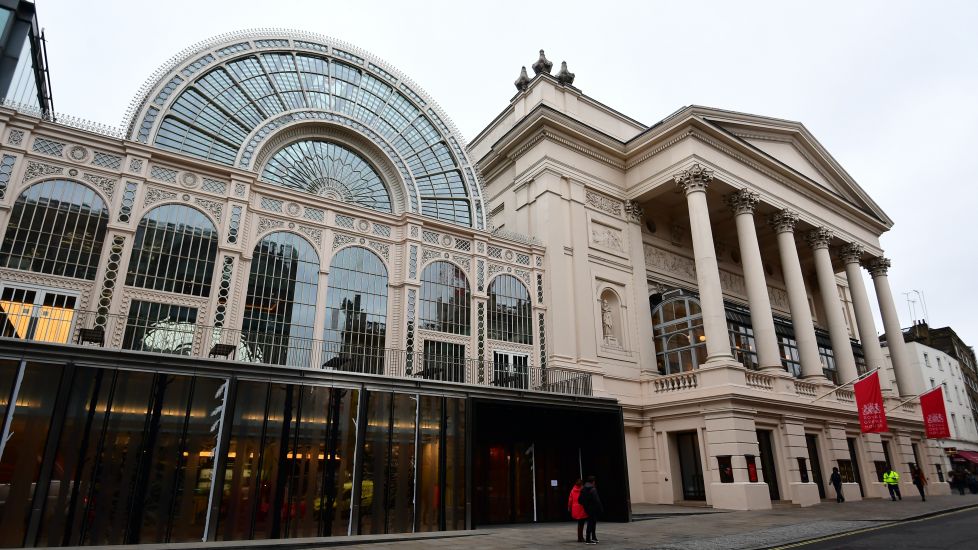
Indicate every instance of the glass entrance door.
{"type": "Point", "coordinates": [691, 469]}
{"type": "Point", "coordinates": [32, 314]}
{"type": "Point", "coordinates": [767, 463]}
{"type": "Point", "coordinates": [855, 464]}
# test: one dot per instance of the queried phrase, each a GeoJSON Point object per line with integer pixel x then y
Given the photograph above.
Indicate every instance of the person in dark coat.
{"type": "Point", "coordinates": [836, 480]}
{"type": "Point", "coordinates": [591, 502]}
{"type": "Point", "coordinates": [917, 476]}
{"type": "Point", "coordinates": [576, 510]}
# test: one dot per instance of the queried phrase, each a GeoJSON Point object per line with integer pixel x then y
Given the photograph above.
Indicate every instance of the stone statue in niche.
{"type": "Point", "coordinates": [607, 324]}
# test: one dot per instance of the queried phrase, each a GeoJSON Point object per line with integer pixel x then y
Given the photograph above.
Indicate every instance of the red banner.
{"type": "Point", "coordinates": [869, 403]}
{"type": "Point", "coordinates": [935, 415]}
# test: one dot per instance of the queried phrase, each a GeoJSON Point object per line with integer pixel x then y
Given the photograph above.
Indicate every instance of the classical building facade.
{"type": "Point", "coordinates": [288, 300]}
{"type": "Point", "coordinates": [721, 254]}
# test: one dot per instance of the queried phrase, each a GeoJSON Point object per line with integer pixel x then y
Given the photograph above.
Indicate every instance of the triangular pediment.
{"type": "Point", "coordinates": [790, 145]}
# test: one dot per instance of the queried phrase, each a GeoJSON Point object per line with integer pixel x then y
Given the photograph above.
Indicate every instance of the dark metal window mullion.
{"type": "Point", "coordinates": [97, 464]}
{"type": "Point", "coordinates": [261, 459]}
{"type": "Point", "coordinates": [80, 463]}
{"type": "Point", "coordinates": [181, 462]}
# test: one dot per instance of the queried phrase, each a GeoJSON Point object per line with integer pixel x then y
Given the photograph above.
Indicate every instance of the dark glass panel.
{"type": "Point", "coordinates": [268, 497]}
{"type": "Point", "coordinates": [56, 227]}
{"type": "Point", "coordinates": [454, 464]}
{"type": "Point", "coordinates": [400, 466]}
{"type": "Point", "coordinates": [160, 328]}
{"type": "Point", "coordinates": [174, 251]}
{"type": "Point", "coordinates": [242, 459]}
{"type": "Point", "coordinates": [373, 476]}
{"type": "Point", "coordinates": [445, 304]}
{"type": "Point", "coordinates": [356, 312]}
{"type": "Point", "coordinates": [428, 516]}
{"type": "Point", "coordinates": [280, 307]}
{"type": "Point", "coordinates": [510, 310]}
{"type": "Point", "coordinates": [21, 461]}
{"type": "Point", "coordinates": [8, 373]}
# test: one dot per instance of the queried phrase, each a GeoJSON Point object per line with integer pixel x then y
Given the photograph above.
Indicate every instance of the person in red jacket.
{"type": "Point", "coordinates": [576, 510]}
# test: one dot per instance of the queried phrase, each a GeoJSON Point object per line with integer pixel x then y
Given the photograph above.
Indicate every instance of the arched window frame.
{"type": "Point", "coordinates": [362, 345]}
{"type": "Point", "coordinates": [680, 342]}
{"type": "Point", "coordinates": [515, 324]}
{"type": "Point", "coordinates": [143, 276]}
{"type": "Point", "coordinates": [288, 338]}
{"type": "Point", "coordinates": [459, 320]}
{"type": "Point", "coordinates": [53, 225]}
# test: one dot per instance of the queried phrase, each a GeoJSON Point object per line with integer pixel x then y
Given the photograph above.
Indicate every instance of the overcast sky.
{"type": "Point", "coordinates": [889, 88]}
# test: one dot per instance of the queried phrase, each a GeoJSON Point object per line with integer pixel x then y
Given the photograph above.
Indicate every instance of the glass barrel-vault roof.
{"type": "Point", "coordinates": [328, 170]}
{"type": "Point", "coordinates": [220, 101]}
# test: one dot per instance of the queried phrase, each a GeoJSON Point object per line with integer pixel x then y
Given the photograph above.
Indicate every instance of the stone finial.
{"type": "Point", "coordinates": [523, 82]}
{"type": "Point", "coordinates": [634, 211]}
{"type": "Point", "coordinates": [743, 201]}
{"type": "Point", "coordinates": [851, 253]}
{"type": "Point", "coordinates": [783, 221]}
{"type": "Point", "coordinates": [696, 178]}
{"type": "Point", "coordinates": [877, 267]}
{"type": "Point", "coordinates": [565, 77]}
{"type": "Point", "coordinates": [819, 237]}
{"type": "Point", "coordinates": [543, 65]}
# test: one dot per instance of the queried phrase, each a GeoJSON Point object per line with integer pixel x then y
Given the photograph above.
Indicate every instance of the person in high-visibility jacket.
{"type": "Point", "coordinates": [892, 481]}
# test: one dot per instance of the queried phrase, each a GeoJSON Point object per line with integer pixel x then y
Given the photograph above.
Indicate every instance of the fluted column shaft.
{"type": "Point", "coordinates": [743, 203]}
{"type": "Point", "coordinates": [845, 362]}
{"type": "Point", "coordinates": [694, 182]}
{"type": "Point", "coordinates": [902, 369]}
{"type": "Point", "coordinates": [801, 315]}
{"type": "Point", "coordinates": [865, 326]}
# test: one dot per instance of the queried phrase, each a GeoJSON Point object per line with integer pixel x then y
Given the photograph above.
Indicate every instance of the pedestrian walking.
{"type": "Point", "coordinates": [892, 481]}
{"type": "Point", "coordinates": [917, 476]}
{"type": "Point", "coordinates": [958, 481]}
{"type": "Point", "coordinates": [576, 510]}
{"type": "Point", "coordinates": [591, 502]}
{"type": "Point", "coordinates": [836, 480]}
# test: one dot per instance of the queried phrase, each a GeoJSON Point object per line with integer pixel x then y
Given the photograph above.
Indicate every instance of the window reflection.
{"type": "Point", "coordinates": [445, 304]}
{"type": "Point", "coordinates": [174, 251]}
{"type": "Point", "coordinates": [56, 227]}
{"type": "Point", "coordinates": [680, 343]}
{"type": "Point", "coordinates": [509, 310]}
{"type": "Point", "coordinates": [356, 312]}
{"type": "Point", "coordinates": [160, 328]}
{"type": "Point", "coordinates": [280, 308]}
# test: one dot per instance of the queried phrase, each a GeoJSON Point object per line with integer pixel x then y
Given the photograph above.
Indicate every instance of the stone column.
{"type": "Point", "coordinates": [743, 204]}
{"type": "Point", "coordinates": [801, 314]}
{"type": "Point", "coordinates": [694, 182]}
{"type": "Point", "coordinates": [819, 239]}
{"type": "Point", "coordinates": [902, 369]}
{"type": "Point", "coordinates": [865, 325]}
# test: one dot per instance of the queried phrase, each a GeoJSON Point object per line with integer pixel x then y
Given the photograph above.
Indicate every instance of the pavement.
{"type": "Point", "coordinates": [668, 527]}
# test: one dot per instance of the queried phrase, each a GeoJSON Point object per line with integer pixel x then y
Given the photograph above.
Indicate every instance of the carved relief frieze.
{"type": "Point", "coordinates": [732, 283]}
{"type": "Point", "coordinates": [383, 249]}
{"type": "Point", "coordinates": [107, 185]}
{"type": "Point", "coordinates": [429, 254]}
{"type": "Point", "coordinates": [213, 207]}
{"type": "Point", "coordinates": [315, 234]}
{"type": "Point", "coordinates": [663, 260]}
{"type": "Point", "coordinates": [340, 239]}
{"type": "Point", "coordinates": [608, 237]}
{"type": "Point", "coordinates": [442, 337]}
{"type": "Point", "coordinates": [463, 261]}
{"type": "Point", "coordinates": [603, 203]}
{"type": "Point", "coordinates": [524, 275]}
{"type": "Point", "coordinates": [779, 298]}
{"type": "Point", "coordinates": [266, 224]}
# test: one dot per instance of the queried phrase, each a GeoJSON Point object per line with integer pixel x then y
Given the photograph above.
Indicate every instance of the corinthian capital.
{"type": "Point", "coordinates": [783, 221]}
{"type": "Point", "coordinates": [696, 178]}
{"type": "Point", "coordinates": [877, 267]}
{"type": "Point", "coordinates": [743, 201]}
{"type": "Point", "coordinates": [819, 237]}
{"type": "Point", "coordinates": [851, 253]}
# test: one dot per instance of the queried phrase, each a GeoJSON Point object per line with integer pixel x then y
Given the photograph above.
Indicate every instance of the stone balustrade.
{"type": "Point", "coordinates": [806, 389]}
{"type": "Point", "coordinates": [676, 382]}
{"type": "Point", "coordinates": [760, 381]}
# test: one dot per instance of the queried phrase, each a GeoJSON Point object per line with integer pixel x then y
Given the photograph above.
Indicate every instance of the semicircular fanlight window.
{"type": "Point", "coordinates": [329, 170]}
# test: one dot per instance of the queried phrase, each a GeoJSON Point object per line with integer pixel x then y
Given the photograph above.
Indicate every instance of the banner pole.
{"type": "Point", "coordinates": [837, 388]}
{"type": "Point", "coordinates": [911, 399]}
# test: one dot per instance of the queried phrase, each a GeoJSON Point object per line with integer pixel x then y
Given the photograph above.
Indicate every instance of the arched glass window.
{"type": "Point", "coordinates": [56, 227]}
{"type": "Point", "coordinates": [680, 343]}
{"type": "Point", "coordinates": [174, 251]}
{"type": "Point", "coordinates": [356, 312]}
{"type": "Point", "coordinates": [280, 308]}
{"type": "Point", "coordinates": [509, 311]}
{"type": "Point", "coordinates": [328, 170]}
{"type": "Point", "coordinates": [446, 300]}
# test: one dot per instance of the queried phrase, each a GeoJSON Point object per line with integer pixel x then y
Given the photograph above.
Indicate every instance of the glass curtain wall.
{"type": "Point", "coordinates": [356, 312]}
{"type": "Point", "coordinates": [280, 308]}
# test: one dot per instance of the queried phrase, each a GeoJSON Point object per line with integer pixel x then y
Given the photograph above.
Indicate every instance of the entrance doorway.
{"type": "Point", "coordinates": [690, 466]}
{"type": "Point", "coordinates": [855, 465]}
{"type": "Point", "coordinates": [525, 459]}
{"type": "Point", "coordinates": [812, 441]}
{"type": "Point", "coordinates": [767, 463]}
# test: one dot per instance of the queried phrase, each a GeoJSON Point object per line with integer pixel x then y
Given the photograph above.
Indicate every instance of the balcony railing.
{"type": "Point", "coordinates": [184, 337]}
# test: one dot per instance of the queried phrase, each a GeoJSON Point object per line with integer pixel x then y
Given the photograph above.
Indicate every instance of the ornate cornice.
{"type": "Point", "coordinates": [696, 178]}
{"type": "Point", "coordinates": [819, 237]}
{"type": "Point", "coordinates": [851, 253]}
{"type": "Point", "coordinates": [743, 201]}
{"type": "Point", "coordinates": [877, 267]}
{"type": "Point", "coordinates": [783, 221]}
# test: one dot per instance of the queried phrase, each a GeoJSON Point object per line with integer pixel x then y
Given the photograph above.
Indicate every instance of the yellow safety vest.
{"type": "Point", "coordinates": [891, 478]}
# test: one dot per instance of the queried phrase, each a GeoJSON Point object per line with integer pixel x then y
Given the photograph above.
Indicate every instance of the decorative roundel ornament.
{"type": "Point", "coordinates": [362, 225]}
{"type": "Point", "coordinates": [72, 172]}
{"type": "Point", "coordinates": [188, 180]}
{"type": "Point", "coordinates": [78, 153]}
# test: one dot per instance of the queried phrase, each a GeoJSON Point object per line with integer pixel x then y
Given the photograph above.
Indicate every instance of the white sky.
{"type": "Point", "coordinates": [889, 88]}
